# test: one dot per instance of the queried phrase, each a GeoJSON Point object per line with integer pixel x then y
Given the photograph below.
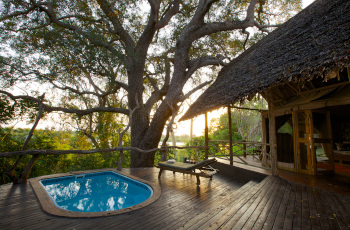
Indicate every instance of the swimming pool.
{"type": "Point", "coordinates": [96, 192]}
{"type": "Point", "coordinates": [93, 194]}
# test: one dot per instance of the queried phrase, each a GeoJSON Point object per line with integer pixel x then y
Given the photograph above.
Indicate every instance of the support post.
{"type": "Point", "coordinates": [191, 131]}
{"type": "Point", "coordinates": [272, 134]}
{"type": "Point", "coordinates": [330, 136]}
{"type": "Point", "coordinates": [206, 136]}
{"type": "Point", "coordinates": [263, 138]}
{"type": "Point", "coordinates": [230, 133]}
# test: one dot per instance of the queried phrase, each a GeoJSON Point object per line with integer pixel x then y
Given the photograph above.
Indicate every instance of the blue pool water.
{"type": "Point", "coordinates": [96, 192]}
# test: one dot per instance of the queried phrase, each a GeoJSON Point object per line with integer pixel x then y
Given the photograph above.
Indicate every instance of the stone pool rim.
{"type": "Point", "coordinates": [49, 207]}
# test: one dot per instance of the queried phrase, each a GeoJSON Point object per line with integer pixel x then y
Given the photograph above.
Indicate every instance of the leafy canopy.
{"type": "Point", "coordinates": [93, 57]}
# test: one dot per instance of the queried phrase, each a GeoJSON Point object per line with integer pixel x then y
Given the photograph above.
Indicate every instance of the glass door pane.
{"type": "Point", "coordinates": [301, 125]}
{"type": "Point", "coordinates": [303, 152]}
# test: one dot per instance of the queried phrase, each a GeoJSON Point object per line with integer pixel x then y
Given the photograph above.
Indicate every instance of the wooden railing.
{"type": "Point", "coordinates": [239, 149]}
{"type": "Point", "coordinates": [214, 148]}
{"type": "Point", "coordinates": [35, 153]}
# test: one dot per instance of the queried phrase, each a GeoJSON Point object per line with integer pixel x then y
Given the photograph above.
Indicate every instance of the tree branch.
{"type": "Point", "coordinates": [169, 13]}
{"type": "Point", "coordinates": [215, 27]}
{"type": "Point", "coordinates": [246, 39]}
{"type": "Point", "coordinates": [69, 110]}
{"type": "Point", "coordinates": [202, 9]}
{"type": "Point", "coordinates": [250, 10]}
{"type": "Point", "coordinates": [158, 94]}
{"type": "Point", "coordinates": [187, 95]}
{"type": "Point", "coordinates": [52, 16]}
{"type": "Point", "coordinates": [169, 128]}
{"type": "Point", "coordinates": [121, 134]}
{"type": "Point", "coordinates": [263, 27]}
{"type": "Point", "coordinates": [10, 172]}
{"type": "Point", "coordinates": [206, 61]}
{"type": "Point", "coordinates": [118, 28]}
{"type": "Point", "coordinates": [18, 13]}
{"type": "Point", "coordinates": [200, 62]}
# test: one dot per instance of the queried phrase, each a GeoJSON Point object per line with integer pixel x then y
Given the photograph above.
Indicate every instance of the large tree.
{"type": "Point", "coordinates": [127, 55]}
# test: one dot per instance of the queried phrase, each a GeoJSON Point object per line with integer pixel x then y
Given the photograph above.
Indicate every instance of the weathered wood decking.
{"type": "Point", "coordinates": [227, 202]}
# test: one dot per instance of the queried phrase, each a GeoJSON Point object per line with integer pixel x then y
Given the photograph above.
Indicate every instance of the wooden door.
{"type": "Point", "coordinates": [304, 151]}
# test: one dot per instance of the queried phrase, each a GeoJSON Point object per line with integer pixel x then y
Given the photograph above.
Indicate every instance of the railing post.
{"type": "Point", "coordinates": [206, 137]}
{"type": "Point", "coordinates": [244, 149]}
{"type": "Point", "coordinates": [230, 133]}
{"type": "Point", "coordinates": [163, 156]}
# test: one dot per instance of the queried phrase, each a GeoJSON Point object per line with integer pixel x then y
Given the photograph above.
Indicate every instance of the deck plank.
{"type": "Point", "coordinates": [327, 210]}
{"type": "Point", "coordinates": [342, 209]}
{"type": "Point", "coordinates": [297, 213]}
{"type": "Point", "coordinates": [256, 213]}
{"type": "Point", "coordinates": [282, 210]}
{"type": "Point", "coordinates": [207, 214]}
{"type": "Point", "coordinates": [305, 210]}
{"type": "Point", "coordinates": [270, 220]}
{"type": "Point", "coordinates": [336, 211]}
{"type": "Point", "coordinates": [240, 218]}
{"type": "Point", "coordinates": [259, 224]}
{"type": "Point", "coordinates": [320, 210]}
{"type": "Point", "coordinates": [198, 201]}
{"type": "Point", "coordinates": [289, 215]}
{"type": "Point", "coordinates": [228, 212]}
{"type": "Point", "coordinates": [201, 208]}
{"type": "Point", "coordinates": [228, 201]}
{"type": "Point", "coordinates": [314, 220]}
{"type": "Point", "coordinates": [215, 216]}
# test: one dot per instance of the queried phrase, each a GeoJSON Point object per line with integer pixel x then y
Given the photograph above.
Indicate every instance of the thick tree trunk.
{"type": "Point", "coordinates": [149, 138]}
{"type": "Point", "coordinates": [145, 134]}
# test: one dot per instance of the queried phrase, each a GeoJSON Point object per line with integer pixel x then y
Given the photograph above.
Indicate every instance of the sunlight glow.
{"type": "Point", "coordinates": [184, 127]}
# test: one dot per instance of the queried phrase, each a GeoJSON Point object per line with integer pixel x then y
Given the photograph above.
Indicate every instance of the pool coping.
{"type": "Point", "coordinates": [49, 207]}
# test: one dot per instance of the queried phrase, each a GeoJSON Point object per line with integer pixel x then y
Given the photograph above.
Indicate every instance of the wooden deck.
{"type": "Point", "coordinates": [241, 200]}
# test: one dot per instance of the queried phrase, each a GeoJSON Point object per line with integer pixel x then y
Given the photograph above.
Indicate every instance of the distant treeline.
{"type": "Point", "coordinates": [12, 140]}
{"type": "Point", "coordinates": [182, 138]}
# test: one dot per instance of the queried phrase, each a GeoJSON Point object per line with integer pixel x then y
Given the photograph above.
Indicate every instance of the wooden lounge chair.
{"type": "Point", "coordinates": [205, 170]}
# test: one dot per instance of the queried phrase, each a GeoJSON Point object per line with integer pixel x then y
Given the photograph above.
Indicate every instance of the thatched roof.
{"type": "Point", "coordinates": [313, 43]}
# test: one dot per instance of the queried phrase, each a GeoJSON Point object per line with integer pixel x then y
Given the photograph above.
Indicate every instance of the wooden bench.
{"type": "Point", "coordinates": [205, 170]}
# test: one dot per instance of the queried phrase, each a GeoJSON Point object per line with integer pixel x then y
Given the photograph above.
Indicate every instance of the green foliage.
{"type": "Point", "coordinates": [246, 125]}
{"type": "Point", "coordinates": [21, 109]}
{"type": "Point", "coordinates": [7, 111]}
{"type": "Point", "coordinates": [12, 140]}
{"type": "Point", "coordinates": [219, 129]}
{"type": "Point", "coordinates": [286, 128]}
{"type": "Point", "coordinates": [84, 60]}
{"type": "Point", "coordinates": [196, 154]}
{"type": "Point", "coordinates": [182, 138]}
{"type": "Point", "coordinates": [248, 122]}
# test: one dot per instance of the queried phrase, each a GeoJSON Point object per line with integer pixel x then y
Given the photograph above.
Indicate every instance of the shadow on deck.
{"type": "Point", "coordinates": [235, 198]}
